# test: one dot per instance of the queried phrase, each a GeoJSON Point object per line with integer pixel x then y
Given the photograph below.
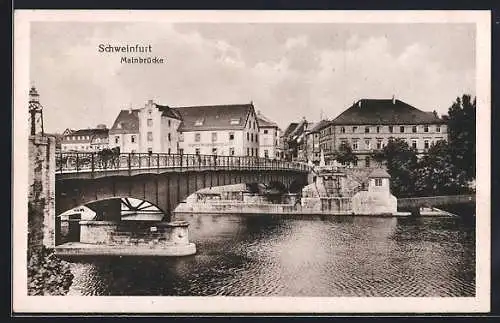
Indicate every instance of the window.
{"type": "Point", "coordinates": [214, 136]}
{"type": "Point", "coordinates": [367, 144]}
{"type": "Point", "coordinates": [150, 122]}
{"type": "Point", "coordinates": [391, 129]}
{"type": "Point", "coordinates": [197, 151]}
{"type": "Point", "coordinates": [181, 137]}
{"type": "Point", "coordinates": [256, 138]}
{"type": "Point", "coordinates": [265, 131]}
{"type": "Point", "coordinates": [198, 122]}
{"type": "Point", "coordinates": [197, 137]}
{"type": "Point", "coordinates": [414, 129]}
{"type": "Point", "coordinates": [342, 129]}
{"type": "Point", "coordinates": [355, 162]}
{"type": "Point", "coordinates": [343, 143]}
{"type": "Point", "coordinates": [378, 129]}
{"type": "Point", "coordinates": [235, 121]}
{"type": "Point", "coordinates": [117, 139]}
{"type": "Point", "coordinates": [402, 129]}
{"type": "Point", "coordinates": [169, 151]}
{"type": "Point", "coordinates": [248, 151]}
{"type": "Point", "coordinates": [378, 182]}
{"type": "Point", "coordinates": [132, 138]}
{"type": "Point", "coordinates": [354, 129]}
{"type": "Point", "coordinates": [266, 153]}
{"type": "Point", "coordinates": [248, 136]}
{"type": "Point", "coordinates": [426, 128]}
{"type": "Point", "coordinates": [438, 128]}
{"type": "Point", "coordinates": [169, 123]}
{"type": "Point", "coordinates": [150, 150]}
{"type": "Point", "coordinates": [414, 144]}
{"type": "Point", "coordinates": [355, 145]}
{"type": "Point", "coordinates": [251, 137]}
{"type": "Point", "coordinates": [231, 151]}
{"type": "Point", "coordinates": [254, 124]}
{"type": "Point", "coordinates": [150, 136]}
{"type": "Point", "coordinates": [181, 151]}
{"type": "Point", "coordinates": [169, 137]}
{"type": "Point", "coordinates": [426, 144]}
{"type": "Point", "coordinates": [367, 129]}
{"type": "Point", "coordinates": [231, 136]}
{"type": "Point", "coordinates": [367, 162]}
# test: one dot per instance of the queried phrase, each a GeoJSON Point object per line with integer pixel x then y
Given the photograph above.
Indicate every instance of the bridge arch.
{"type": "Point", "coordinates": [164, 190]}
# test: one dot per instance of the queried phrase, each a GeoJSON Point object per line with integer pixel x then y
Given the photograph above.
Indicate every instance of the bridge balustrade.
{"type": "Point", "coordinates": [70, 162]}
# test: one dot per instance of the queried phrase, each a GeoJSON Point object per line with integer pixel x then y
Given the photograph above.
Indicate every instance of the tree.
{"type": "Point", "coordinates": [345, 155]}
{"type": "Point", "coordinates": [436, 173]}
{"type": "Point", "coordinates": [461, 121]}
{"type": "Point", "coordinates": [401, 161]}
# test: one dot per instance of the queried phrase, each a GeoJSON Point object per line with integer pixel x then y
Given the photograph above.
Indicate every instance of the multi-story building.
{"type": "Point", "coordinates": [85, 140]}
{"type": "Point", "coordinates": [125, 131]}
{"type": "Point", "coordinates": [269, 137]}
{"type": "Point", "coordinates": [289, 149]}
{"type": "Point", "coordinates": [311, 146]}
{"type": "Point", "coordinates": [369, 124]}
{"type": "Point", "coordinates": [158, 128]}
{"type": "Point", "coordinates": [231, 130]}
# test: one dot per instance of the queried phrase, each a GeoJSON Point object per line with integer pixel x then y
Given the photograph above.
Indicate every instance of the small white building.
{"type": "Point", "coordinates": [85, 140]}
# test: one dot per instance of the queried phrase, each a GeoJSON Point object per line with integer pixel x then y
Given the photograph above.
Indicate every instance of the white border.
{"type": "Point", "coordinates": [67, 304]}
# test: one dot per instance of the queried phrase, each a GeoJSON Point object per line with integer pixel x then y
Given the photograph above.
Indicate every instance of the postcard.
{"type": "Point", "coordinates": [251, 161]}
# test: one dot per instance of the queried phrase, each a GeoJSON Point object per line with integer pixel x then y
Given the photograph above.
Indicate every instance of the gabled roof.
{"type": "Point", "coordinates": [265, 122]}
{"type": "Point", "coordinates": [89, 132]}
{"type": "Point", "coordinates": [214, 117]}
{"type": "Point", "coordinates": [320, 125]}
{"type": "Point", "coordinates": [126, 121]}
{"type": "Point", "coordinates": [291, 127]}
{"type": "Point", "coordinates": [167, 111]}
{"type": "Point", "coordinates": [384, 112]}
{"type": "Point", "coordinates": [379, 173]}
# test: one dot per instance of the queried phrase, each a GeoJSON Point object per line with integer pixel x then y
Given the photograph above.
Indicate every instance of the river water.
{"type": "Point", "coordinates": [265, 255]}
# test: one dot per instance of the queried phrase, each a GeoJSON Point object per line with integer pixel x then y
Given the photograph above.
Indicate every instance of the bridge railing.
{"type": "Point", "coordinates": [71, 162]}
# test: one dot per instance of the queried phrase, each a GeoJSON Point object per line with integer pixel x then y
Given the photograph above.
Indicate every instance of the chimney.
{"type": "Point", "coordinates": [393, 99]}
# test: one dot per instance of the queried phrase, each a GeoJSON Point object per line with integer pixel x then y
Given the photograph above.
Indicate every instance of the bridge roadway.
{"type": "Point", "coordinates": [163, 180]}
{"type": "Point", "coordinates": [94, 165]}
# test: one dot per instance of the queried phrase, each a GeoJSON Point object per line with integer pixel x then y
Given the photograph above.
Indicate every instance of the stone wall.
{"type": "Point", "coordinates": [140, 233]}
{"type": "Point", "coordinates": [370, 203]}
{"type": "Point", "coordinates": [41, 193]}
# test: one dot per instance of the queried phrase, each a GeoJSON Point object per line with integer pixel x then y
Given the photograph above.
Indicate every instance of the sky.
{"type": "Point", "coordinates": [289, 71]}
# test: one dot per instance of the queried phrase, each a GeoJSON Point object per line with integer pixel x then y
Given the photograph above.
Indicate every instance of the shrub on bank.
{"type": "Point", "coordinates": [47, 274]}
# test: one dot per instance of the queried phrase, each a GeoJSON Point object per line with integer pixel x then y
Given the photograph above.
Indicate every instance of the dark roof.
{"type": "Point", "coordinates": [128, 121]}
{"type": "Point", "coordinates": [214, 117]}
{"type": "Point", "coordinates": [379, 173]}
{"type": "Point", "coordinates": [384, 112]}
{"type": "Point", "coordinates": [89, 132]}
{"type": "Point", "coordinates": [291, 127]}
{"type": "Point", "coordinates": [320, 125]}
{"type": "Point", "coordinates": [167, 111]}
{"type": "Point", "coordinates": [265, 122]}
{"type": "Point", "coordinates": [298, 130]}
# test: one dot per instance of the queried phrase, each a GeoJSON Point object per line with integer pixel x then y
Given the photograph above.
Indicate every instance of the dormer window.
{"type": "Point", "coordinates": [199, 122]}
{"type": "Point", "coordinates": [235, 121]}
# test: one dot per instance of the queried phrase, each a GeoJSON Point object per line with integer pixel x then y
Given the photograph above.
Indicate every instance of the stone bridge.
{"type": "Point", "coordinates": [163, 180]}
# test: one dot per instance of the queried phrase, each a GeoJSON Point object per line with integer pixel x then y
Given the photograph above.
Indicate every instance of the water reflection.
{"type": "Point", "coordinates": [266, 255]}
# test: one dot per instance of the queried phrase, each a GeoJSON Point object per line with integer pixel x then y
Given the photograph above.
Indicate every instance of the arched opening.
{"type": "Point", "coordinates": [117, 209]}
